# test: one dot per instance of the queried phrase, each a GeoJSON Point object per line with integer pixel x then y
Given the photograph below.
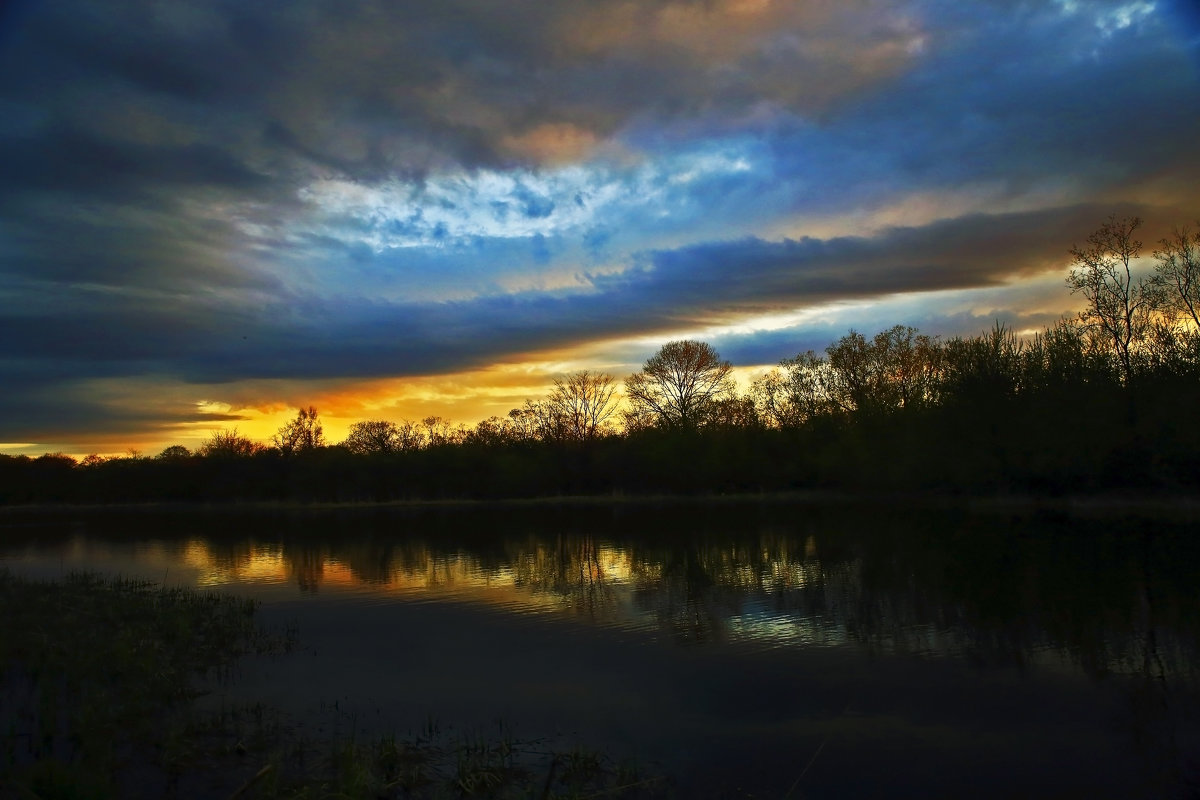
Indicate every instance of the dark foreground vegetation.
{"type": "Point", "coordinates": [99, 699]}
{"type": "Point", "coordinates": [1105, 401]}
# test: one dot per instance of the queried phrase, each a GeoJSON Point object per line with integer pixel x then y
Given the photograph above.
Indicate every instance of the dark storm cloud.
{"type": "Point", "coordinates": [1007, 102]}
{"type": "Point", "coordinates": [66, 158]}
{"type": "Point", "coordinates": [47, 251]}
{"type": "Point", "coordinates": [755, 275]}
{"type": "Point", "coordinates": [311, 337]}
{"type": "Point", "coordinates": [68, 412]}
{"type": "Point", "coordinates": [373, 87]}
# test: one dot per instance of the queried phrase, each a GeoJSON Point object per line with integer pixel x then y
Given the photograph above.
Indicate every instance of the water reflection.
{"type": "Point", "coordinates": [1104, 601]}
{"type": "Point", "coordinates": [1104, 597]}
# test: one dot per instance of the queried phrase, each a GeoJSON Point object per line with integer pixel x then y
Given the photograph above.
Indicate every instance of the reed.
{"type": "Point", "coordinates": [99, 685]}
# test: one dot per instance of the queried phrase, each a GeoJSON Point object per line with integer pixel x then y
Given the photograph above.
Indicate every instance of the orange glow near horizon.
{"type": "Point", "coordinates": [259, 408]}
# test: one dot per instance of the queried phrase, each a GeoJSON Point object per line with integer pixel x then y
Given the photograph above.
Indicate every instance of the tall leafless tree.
{"type": "Point", "coordinates": [228, 443]}
{"type": "Point", "coordinates": [1177, 272]}
{"type": "Point", "coordinates": [1120, 305]}
{"type": "Point", "coordinates": [679, 384]}
{"type": "Point", "coordinates": [582, 404]}
{"type": "Point", "coordinates": [303, 433]}
{"type": "Point", "coordinates": [895, 369]}
{"type": "Point", "coordinates": [795, 392]}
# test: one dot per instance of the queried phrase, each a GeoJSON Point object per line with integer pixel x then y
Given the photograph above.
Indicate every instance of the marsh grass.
{"type": "Point", "coordinates": [99, 698]}
{"type": "Point", "coordinates": [99, 675]}
{"type": "Point", "coordinates": [438, 763]}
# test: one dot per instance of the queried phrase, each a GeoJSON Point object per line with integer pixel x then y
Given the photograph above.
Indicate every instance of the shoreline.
{"type": "Point", "coordinates": [1076, 504]}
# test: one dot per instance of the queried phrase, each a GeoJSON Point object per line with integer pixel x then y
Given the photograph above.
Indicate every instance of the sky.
{"type": "Point", "coordinates": [215, 212]}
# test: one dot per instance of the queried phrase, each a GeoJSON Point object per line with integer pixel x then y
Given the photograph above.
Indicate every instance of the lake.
{"type": "Point", "coordinates": [755, 649]}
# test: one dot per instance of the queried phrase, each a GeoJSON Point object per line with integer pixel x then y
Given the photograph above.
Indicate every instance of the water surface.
{"type": "Point", "coordinates": [754, 649]}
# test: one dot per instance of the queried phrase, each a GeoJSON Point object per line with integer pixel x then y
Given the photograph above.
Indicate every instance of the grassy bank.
{"type": "Point", "coordinates": [99, 687]}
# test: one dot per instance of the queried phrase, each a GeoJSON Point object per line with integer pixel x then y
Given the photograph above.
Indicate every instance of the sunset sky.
{"type": "Point", "coordinates": [214, 212]}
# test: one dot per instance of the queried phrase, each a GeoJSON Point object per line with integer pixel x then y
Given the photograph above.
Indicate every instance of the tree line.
{"type": "Point", "coordinates": [1104, 399]}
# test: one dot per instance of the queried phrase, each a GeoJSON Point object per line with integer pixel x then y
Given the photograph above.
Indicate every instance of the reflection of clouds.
{"type": "Point", "coordinates": [757, 623]}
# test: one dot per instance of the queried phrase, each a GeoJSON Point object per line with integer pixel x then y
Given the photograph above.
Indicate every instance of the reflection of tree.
{"type": "Point", "coordinates": [701, 588]}
{"type": "Point", "coordinates": [308, 565]}
{"type": "Point", "coordinates": [687, 598]}
{"type": "Point", "coordinates": [1158, 709]}
{"type": "Point", "coordinates": [1118, 603]}
{"type": "Point", "coordinates": [370, 560]}
{"type": "Point", "coordinates": [574, 569]}
{"type": "Point", "coordinates": [1116, 600]}
{"type": "Point", "coordinates": [998, 590]}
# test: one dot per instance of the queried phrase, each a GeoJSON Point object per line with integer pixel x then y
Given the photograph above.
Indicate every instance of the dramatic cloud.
{"type": "Point", "coordinates": [197, 198]}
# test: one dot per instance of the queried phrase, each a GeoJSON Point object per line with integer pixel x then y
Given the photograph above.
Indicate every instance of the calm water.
{"type": "Point", "coordinates": [761, 650]}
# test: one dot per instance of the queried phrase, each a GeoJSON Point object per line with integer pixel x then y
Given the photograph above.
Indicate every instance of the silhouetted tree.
{"type": "Point", "coordinates": [1119, 306]}
{"type": "Point", "coordinates": [981, 369]}
{"type": "Point", "coordinates": [56, 461]}
{"type": "Point", "coordinates": [679, 384]}
{"type": "Point", "coordinates": [439, 431]}
{"type": "Point", "coordinates": [637, 417]}
{"type": "Point", "coordinates": [53, 476]}
{"type": "Point", "coordinates": [540, 420]}
{"type": "Point", "coordinates": [174, 452]}
{"type": "Point", "coordinates": [490, 432]}
{"type": "Point", "coordinates": [798, 390]}
{"type": "Point", "coordinates": [1171, 350]}
{"type": "Point", "coordinates": [228, 443]}
{"type": "Point", "coordinates": [581, 404]}
{"type": "Point", "coordinates": [734, 412]}
{"type": "Point", "coordinates": [410, 435]}
{"type": "Point", "coordinates": [303, 434]}
{"type": "Point", "coordinates": [896, 369]}
{"type": "Point", "coordinates": [1060, 357]}
{"type": "Point", "coordinates": [374, 436]}
{"type": "Point", "coordinates": [1177, 272]}
{"type": "Point", "coordinates": [524, 423]}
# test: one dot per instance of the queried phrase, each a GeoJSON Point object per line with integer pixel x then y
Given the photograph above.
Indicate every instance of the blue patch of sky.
{"type": "Point", "coordinates": [1004, 102]}
{"type": "Point", "coordinates": [585, 212]}
{"type": "Point", "coordinates": [1011, 100]}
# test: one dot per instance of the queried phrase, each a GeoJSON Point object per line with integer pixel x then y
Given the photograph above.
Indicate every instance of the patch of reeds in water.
{"type": "Point", "coordinates": [98, 690]}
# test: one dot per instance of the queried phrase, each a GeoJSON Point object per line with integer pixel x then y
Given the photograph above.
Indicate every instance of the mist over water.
{"type": "Point", "coordinates": [912, 652]}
